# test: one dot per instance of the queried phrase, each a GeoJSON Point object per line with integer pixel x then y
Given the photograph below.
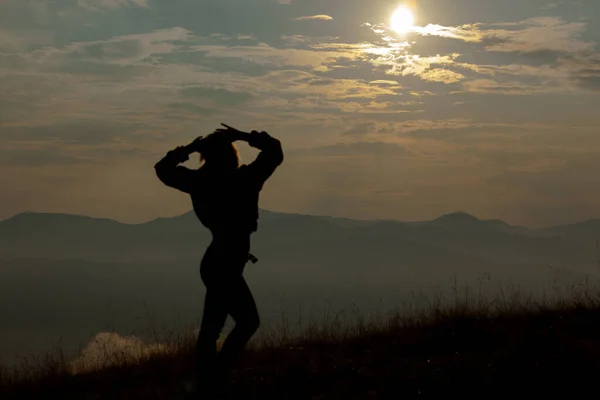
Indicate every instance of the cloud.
{"type": "Point", "coordinates": [293, 40]}
{"type": "Point", "coordinates": [467, 33]}
{"type": "Point", "coordinates": [220, 97]}
{"type": "Point", "coordinates": [383, 82]}
{"type": "Point", "coordinates": [442, 75]}
{"type": "Point", "coordinates": [556, 47]}
{"type": "Point", "coordinates": [573, 178]}
{"type": "Point", "coordinates": [275, 57]}
{"type": "Point", "coordinates": [321, 17]}
{"type": "Point", "coordinates": [37, 157]}
{"type": "Point", "coordinates": [551, 6]}
{"type": "Point", "coordinates": [562, 74]}
{"type": "Point", "coordinates": [109, 348]}
{"type": "Point", "coordinates": [527, 36]}
{"type": "Point", "coordinates": [356, 149]}
{"type": "Point", "coordinates": [412, 64]}
{"type": "Point", "coordinates": [97, 5]}
{"type": "Point", "coordinates": [492, 86]}
{"type": "Point", "coordinates": [538, 34]}
{"type": "Point", "coordinates": [362, 128]}
{"type": "Point", "coordinates": [87, 131]}
{"type": "Point", "coordinates": [187, 107]}
{"type": "Point", "coordinates": [16, 41]}
{"type": "Point", "coordinates": [123, 50]}
{"type": "Point", "coordinates": [84, 83]}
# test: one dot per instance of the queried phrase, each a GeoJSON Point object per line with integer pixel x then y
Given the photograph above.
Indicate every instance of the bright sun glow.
{"type": "Point", "coordinates": [402, 20]}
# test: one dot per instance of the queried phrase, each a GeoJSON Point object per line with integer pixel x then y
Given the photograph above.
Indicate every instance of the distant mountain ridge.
{"type": "Point", "coordinates": [45, 224]}
{"type": "Point", "coordinates": [458, 217]}
{"type": "Point", "coordinates": [58, 236]}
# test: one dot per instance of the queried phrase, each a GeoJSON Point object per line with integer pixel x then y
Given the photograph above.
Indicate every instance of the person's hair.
{"type": "Point", "coordinates": [218, 152]}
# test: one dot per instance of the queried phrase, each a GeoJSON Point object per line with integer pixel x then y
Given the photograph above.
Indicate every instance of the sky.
{"type": "Point", "coordinates": [487, 107]}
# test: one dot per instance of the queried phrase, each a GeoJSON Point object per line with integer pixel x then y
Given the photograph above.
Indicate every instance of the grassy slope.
{"type": "Point", "coordinates": [444, 351]}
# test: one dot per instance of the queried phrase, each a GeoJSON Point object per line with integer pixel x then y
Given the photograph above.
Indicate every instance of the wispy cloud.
{"type": "Point", "coordinates": [466, 33]}
{"type": "Point", "coordinates": [320, 17]}
{"type": "Point", "coordinates": [354, 149]}
{"type": "Point", "coordinates": [98, 5]}
{"type": "Point", "coordinates": [383, 82]}
{"type": "Point", "coordinates": [538, 34]}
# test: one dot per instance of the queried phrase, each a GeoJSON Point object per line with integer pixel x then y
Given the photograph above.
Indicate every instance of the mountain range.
{"type": "Point", "coordinates": [69, 276]}
{"type": "Point", "coordinates": [63, 236]}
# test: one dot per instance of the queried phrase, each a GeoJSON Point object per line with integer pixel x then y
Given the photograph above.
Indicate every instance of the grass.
{"type": "Point", "coordinates": [432, 348]}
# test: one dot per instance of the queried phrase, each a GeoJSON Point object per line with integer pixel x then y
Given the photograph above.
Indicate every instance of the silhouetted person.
{"type": "Point", "coordinates": [225, 199]}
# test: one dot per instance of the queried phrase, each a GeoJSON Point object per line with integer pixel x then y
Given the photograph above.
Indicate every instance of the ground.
{"type": "Point", "coordinates": [545, 350]}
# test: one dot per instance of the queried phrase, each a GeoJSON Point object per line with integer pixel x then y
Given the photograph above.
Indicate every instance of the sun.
{"type": "Point", "coordinates": [402, 20]}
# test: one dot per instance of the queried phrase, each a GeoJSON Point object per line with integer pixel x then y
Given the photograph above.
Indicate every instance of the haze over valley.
{"type": "Point", "coordinates": [65, 278]}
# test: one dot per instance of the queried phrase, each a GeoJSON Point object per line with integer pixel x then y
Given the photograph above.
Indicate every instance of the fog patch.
{"type": "Point", "coordinates": [108, 349]}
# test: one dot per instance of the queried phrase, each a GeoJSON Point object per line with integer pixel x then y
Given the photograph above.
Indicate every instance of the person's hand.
{"type": "Point", "coordinates": [227, 134]}
{"type": "Point", "coordinates": [197, 144]}
{"type": "Point", "coordinates": [231, 134]}
{"type": "Point", "coordinates": [257, 139]}
{"type": "Point", "coordinates": [180, 154]}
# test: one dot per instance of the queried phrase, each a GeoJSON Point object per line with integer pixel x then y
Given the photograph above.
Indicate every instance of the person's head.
{"type": "Point", "coordinates": [219, 154]}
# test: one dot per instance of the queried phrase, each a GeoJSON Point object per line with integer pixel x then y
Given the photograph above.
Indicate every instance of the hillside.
{"type": "Point", "coordinates": [442, 353]}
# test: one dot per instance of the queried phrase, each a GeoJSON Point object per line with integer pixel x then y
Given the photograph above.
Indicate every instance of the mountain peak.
{"type": "Point", "coordinates": [46, 218]}
{"type": "Point", "coordinates": [457, 217]}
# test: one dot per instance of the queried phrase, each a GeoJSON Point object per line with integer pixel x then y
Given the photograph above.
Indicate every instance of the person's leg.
{"type": "Point", "coordinates": [242, 308]}
{"type": "Point", "coordinates": [222, 270]}
{"type": "Point", "coordinates": [213, 321]}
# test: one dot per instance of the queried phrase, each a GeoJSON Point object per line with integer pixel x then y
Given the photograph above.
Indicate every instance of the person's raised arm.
{"type": "Point", "coordinates": [269, 158]}
{"type": "Point", "coordinates": [171, 173]}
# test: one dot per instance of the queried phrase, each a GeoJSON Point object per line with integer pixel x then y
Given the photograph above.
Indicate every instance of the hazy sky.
{"type": "Point", "coordinates": [489, 107]}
